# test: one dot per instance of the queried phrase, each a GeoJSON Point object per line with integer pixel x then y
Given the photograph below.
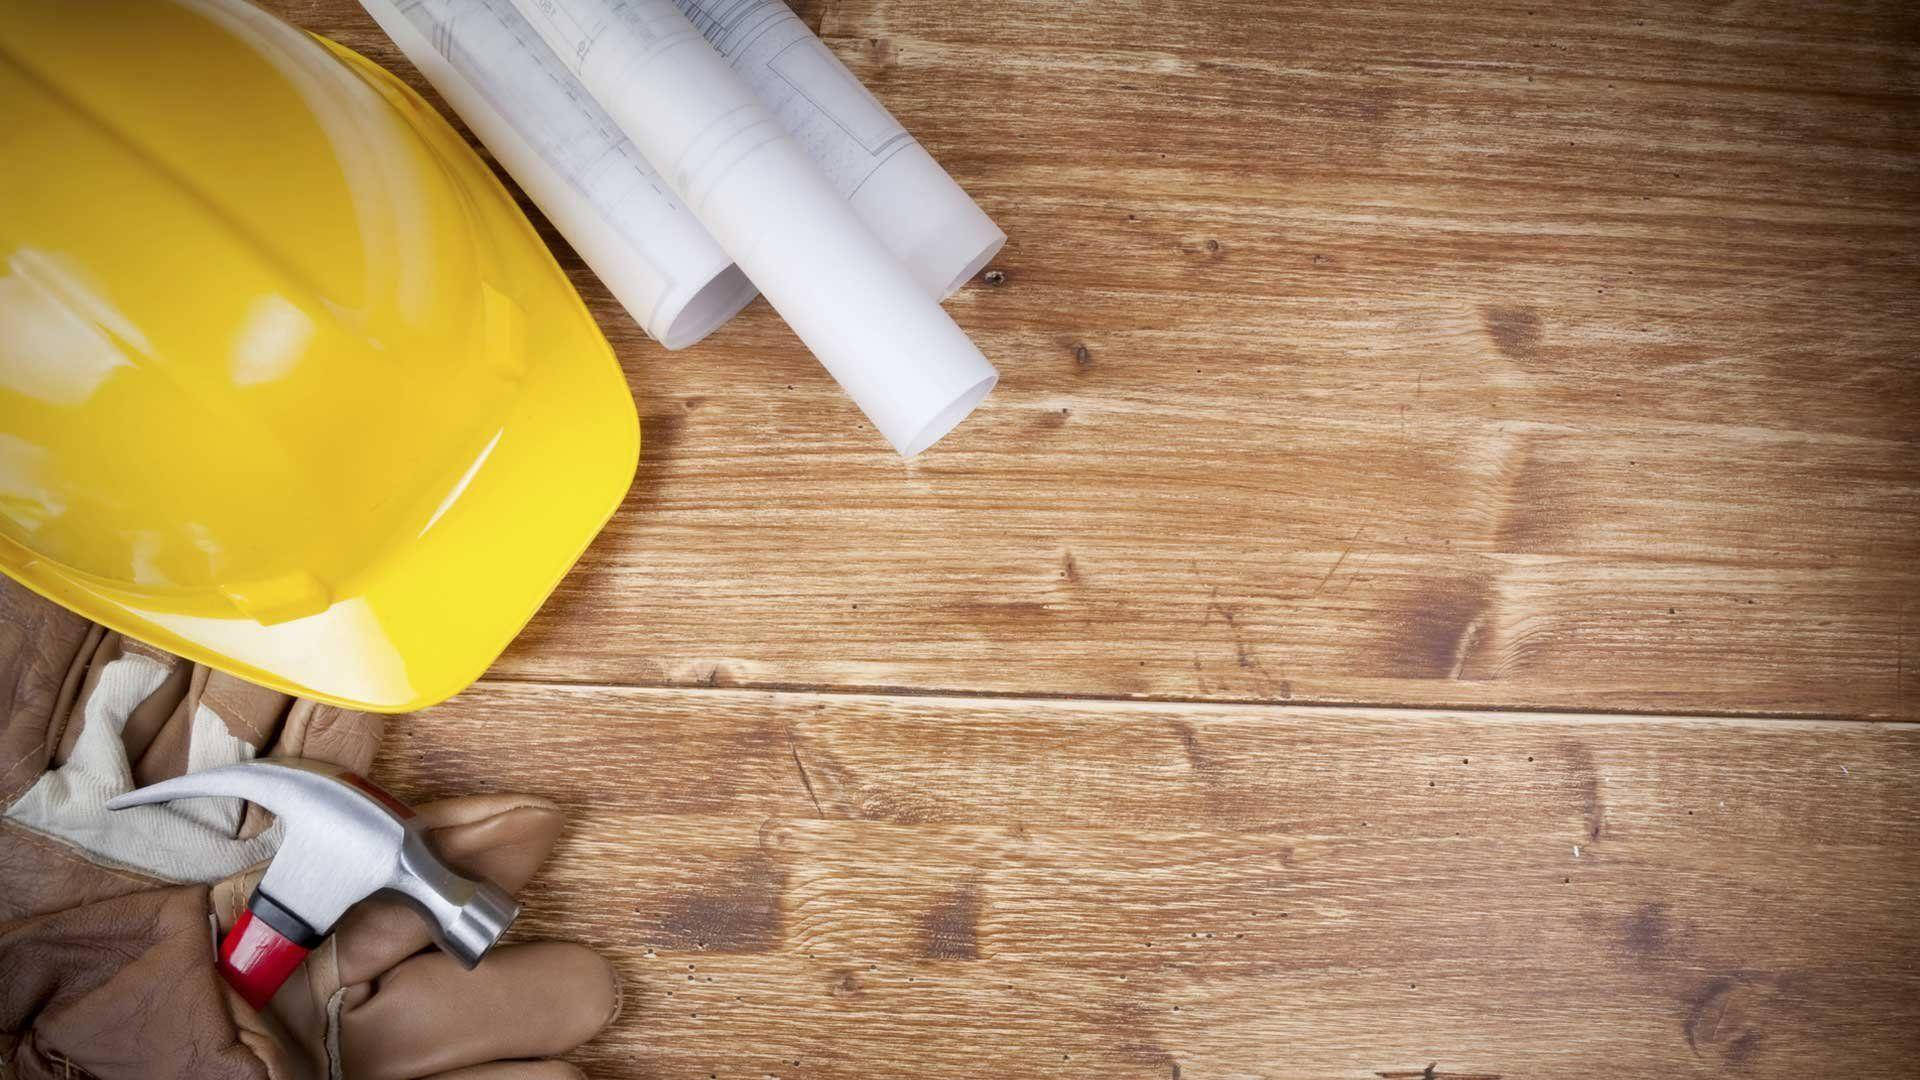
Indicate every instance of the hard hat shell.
{"type": "Point", "coordinates": [288, 384]}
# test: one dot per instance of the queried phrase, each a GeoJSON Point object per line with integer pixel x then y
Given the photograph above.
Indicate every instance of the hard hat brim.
{"type": "Point", "coordinates": [437, 610]}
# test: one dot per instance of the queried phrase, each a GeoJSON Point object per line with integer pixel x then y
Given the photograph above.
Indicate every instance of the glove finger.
{"type": "Point", "coordinates": [148, 721]}
{"type": "Point", "coordinates": [503, 838]}
{"type": "Point", "coordinates": [344, 737]}
{"type": "Point", "coordinates": [430, 1015]}
{"type": "Point", "coordinates": [515, 1070]}
{"type": "Point", "coordinates": [201, 727]}
{"type": "Point", "coordinates": [42, 656]}
{"type": "Point", "coordinates": [221, 720]}
{"type": "Point", "coordinates": [78, 753]}
{"type": "Point", "coordinates": [126, 689]}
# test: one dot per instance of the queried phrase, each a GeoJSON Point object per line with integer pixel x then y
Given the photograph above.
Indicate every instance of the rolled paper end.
{"type": "Point", "coordinates": [948, 418]}
{"type": "Point", "coordinates": [989, 247]}
{"type": "Point", "coordinates": [720, 299]}
{"type": "Point", "coordinates": [944, 252]}
{"type": "Point", "coordinates": [915, 399]}
{"type": "Point", "coordinates": [976, 236]}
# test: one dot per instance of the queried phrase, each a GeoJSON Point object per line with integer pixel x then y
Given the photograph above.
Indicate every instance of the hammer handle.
{"type": "Point", "coordinates": [255, 959]}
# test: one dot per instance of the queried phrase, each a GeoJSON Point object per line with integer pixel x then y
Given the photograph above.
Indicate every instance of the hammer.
{"type": "Point", "coordinates": [346, 839]}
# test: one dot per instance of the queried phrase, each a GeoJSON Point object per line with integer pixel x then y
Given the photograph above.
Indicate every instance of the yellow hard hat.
{"type": "Point", "coordinates": [288, 385]}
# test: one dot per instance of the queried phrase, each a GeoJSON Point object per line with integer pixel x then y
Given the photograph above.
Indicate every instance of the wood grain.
{"type": "Point", "coordinates": [1443, 355]}
{"type": "Point", "coordinates": [852, 886]}
{"type": "Point", "coordinates": [1466, 354]}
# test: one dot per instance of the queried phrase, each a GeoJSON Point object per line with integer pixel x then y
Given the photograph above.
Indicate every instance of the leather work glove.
{"type": "Point", "coordinates": [108, 919]}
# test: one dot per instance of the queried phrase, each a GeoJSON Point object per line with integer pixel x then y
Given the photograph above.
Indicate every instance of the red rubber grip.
{"type": "Point", "coordinates": [255, 959]}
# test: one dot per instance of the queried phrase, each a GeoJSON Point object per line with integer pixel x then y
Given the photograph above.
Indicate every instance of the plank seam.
{"type": "Point", "coordinates": [922, 693]}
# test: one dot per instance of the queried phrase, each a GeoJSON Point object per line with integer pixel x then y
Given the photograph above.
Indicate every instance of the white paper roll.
{"type": "Point", "coordinates": [886, 340]}
{"type": "Point", "coordinates": [895, 186]}
{"type": "Point", "coordinates": [573, 161]}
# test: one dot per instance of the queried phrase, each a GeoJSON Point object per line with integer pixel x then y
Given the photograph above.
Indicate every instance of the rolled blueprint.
{"type": "Point", "coordinates": [885, 339]}
{"type": "Point", "coordinates": [574, 162]}
{"type": "Point", "coordinates": [559, 144]}
{"type": "Point", "coordinates": [895, 186]}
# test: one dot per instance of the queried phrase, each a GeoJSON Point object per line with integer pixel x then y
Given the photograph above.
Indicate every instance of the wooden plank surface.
{"type": "Point", "coordinates": [1553, 356]}
{"type": "Point", "coordinates": [1452, 356]}
{"type": "Point", "coordinates": [800, 885]}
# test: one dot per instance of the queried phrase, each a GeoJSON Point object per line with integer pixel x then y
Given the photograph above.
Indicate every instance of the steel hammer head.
{"type": "Point", "coordinates": [346, 839]}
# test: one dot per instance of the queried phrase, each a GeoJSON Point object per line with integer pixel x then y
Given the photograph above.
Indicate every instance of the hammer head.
{"type": "Point", "coordinates": [347, 839]}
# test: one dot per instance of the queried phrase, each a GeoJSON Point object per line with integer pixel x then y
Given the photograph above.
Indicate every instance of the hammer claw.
{"type": "Point", "coordinates": [346, 838]}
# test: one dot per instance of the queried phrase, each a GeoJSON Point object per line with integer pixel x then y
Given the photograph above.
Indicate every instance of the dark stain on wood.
{"type": "Point", "coordinates": [1134, 1023]}
{"type": "Point", "coordinates": [1535, 515]}
{"type": "Point", "coordinates": [736, 911]}
{"type": "Point", "coordinates": [1649, 931]}
{"type": "Point", "coordinates": [1741, 1050]}
{"type": "Point", "coordinates": [1082, 356]}
{"type": "Point", "coordinates": [1717, 1018]}
{"type": "Point", "coordinates": [1586, 776]}
{"type": "Point", "coordinates": [1445, 625]}
{"type": "Point", "coordinates": [950, 930]}
{"type": "Point", "coordinates": [1203, 764]}
{"type": "Point", "coordinates": [846, 983]}
{"type": "Point", "coordinates": [1515, 330]}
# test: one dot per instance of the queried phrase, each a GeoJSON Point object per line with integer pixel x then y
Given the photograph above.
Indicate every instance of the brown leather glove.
{"type": "Point", "coordinates": [108, 922]}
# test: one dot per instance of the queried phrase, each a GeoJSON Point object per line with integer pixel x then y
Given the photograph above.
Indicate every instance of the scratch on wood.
{"type": "Point", "coordinates": [1431, 1072]}
{"type": "Point", "coordinates": [793, 746]}
{"type": "Point", "coordinates": [1337, 563]}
